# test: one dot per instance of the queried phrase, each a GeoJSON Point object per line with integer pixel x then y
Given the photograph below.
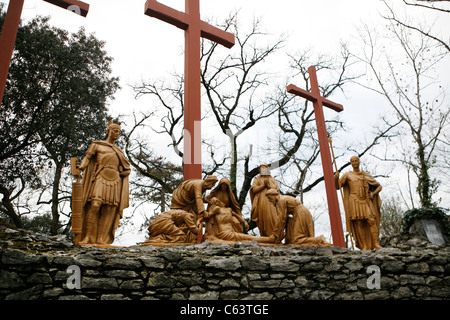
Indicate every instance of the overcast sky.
{"type": "Point", "coordinates": [145, 48]}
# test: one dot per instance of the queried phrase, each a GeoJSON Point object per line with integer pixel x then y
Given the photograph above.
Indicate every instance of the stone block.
{"type": "Point", "coordinates": [154, 262]}
{"type": "Point", "coordinates": [190, 263]}
{"type": "Point", "coordinates": [87, 261]}
{"type": "Point", "coordinates": [121, 263]}
{"type": "Point", "coordinates": [419, 267]}
{"type": "Point", "coordinates": [18, 257]}
{"type": "Point", "coordinates": [229, 283]}
{"type": "Point", "coordinates": [402, 293]}
{"type": "Point", "coordinates": [312, 266]}
{"type": "Point", "coordinates": [39, 277]}
{"type": "Point", "coordinates": [159, 280]}
{"type": "Point", "coordinates": [10, 280]}
{"type": "Point", "coordinates": [135, 284]}
{"type": "Point", "coordinates": [228, 264]}
{"type": "Point", "coordinates": [285, 266]}
{"type": "Point", "coordinates": [253, 263]}
{"type": "Point", "coordinates": [210, 295]}
{"type": "Point", "coordinates": [393, 265]}
{"type": "Point", "coordinates": [99, 283]}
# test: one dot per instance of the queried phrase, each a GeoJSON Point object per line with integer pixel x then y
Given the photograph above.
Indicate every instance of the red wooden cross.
{"type": "Point", "coordinates": [11, 25]}
{"type": "Point", "coordinates": [318, 103]}
{"type": "Point", "coordinates": [195, 29]}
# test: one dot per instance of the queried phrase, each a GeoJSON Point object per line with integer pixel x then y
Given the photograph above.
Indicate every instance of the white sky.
{"type": "Point", "coordinates": [147, 48]}
{"type": "Point", "coordinates": [144, 47]}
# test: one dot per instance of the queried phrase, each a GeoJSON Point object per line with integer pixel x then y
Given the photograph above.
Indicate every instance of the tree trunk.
{"type": "Point", "coordinates": [55, 202]}
{"type": "Point", "coordinates": [424, 184]}
{"type": "Point", "coordinates": [163, 199]}
{"type": "Point", "coordinates": [9, 208]}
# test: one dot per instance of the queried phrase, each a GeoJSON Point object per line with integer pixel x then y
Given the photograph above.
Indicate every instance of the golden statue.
{"type": "Point", "coordinates": [263, 212]}
{"type": "Point", "coordinates": [183, 222]}
{"type": "Point", "coordinates": [295, 223]}
{"type": "Point", "coordinates": [105, 189]}
{"type": "Point", "coordinates": [224, 193]}
{"type": "Point", "coordinates": [225, 220]}
{"type": "Point", "coordinates": [189, 195]}
{"type": "Point", "coordinates": [173, 226]}
{"type": "Point", "coordinates": [362, 205]}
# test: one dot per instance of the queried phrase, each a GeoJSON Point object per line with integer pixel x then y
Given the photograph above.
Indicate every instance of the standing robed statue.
{"type": "Point", "coordinates": [263, 212]}
{"type": "Point", "coordinates": [362, 205]}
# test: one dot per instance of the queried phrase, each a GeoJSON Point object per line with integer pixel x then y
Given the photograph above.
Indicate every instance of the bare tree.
{"type": "Point", "coordinates": [299, 146]}
{"type": "Point", "coordinates": [442, 160]}
{"type": "Point", "coordinates": [156, 177]}
{"type": "Point", "coordinates": [234, 88]}
{"type": "Point", "coordinates": [296, 119]}
{"type": "Point", "coordinates": [429, 4]}
{"type": "Point", "coordinates": [242, 93]}
{"type": "Point", "coordinates": [439, 6]}
{"type": "Point", "coordinates": [403, 73]}
{"type": "Point", "coordinates": [236, 85]}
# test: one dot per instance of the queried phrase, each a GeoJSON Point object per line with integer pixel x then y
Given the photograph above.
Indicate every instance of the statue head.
{"type": "Point", "coordinates": [273, 195]}
{"type": "Point", "coordinates": [355, 162]}
{"type": "Point", "coordinates": [264, 170]}
{"type": "Point", "coordinates": [210, 181]}
{"type": "Point", "coordinates": [215, 201]}
{"type": "Point", "coordinates": [224, 184]}
{"type": "Point", "coordinates": [113, 130]}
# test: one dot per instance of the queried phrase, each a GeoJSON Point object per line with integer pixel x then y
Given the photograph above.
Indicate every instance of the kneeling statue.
{"type": "Point", "coordinates": [173, 226]}
{"type": "Point", "coordinates": [295, 223]}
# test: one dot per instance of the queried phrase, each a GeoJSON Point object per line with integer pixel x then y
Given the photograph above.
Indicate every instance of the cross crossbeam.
{"type": "Point", "coordinates": [183, 20]}
{"type": "Point", "coordinates": [309, 96]}
{"type": "Point", "coordinates": [72, 5]}
{"type": "Point", "coordinates": [318, 102]}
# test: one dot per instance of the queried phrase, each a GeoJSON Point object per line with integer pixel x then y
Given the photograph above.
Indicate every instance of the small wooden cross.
{"type": "Point", "coordinates": [195, 29]}
{"type": "Point", "coordinates": [318, 103]}
{"type": "Point", "coordinates": [11, 25]}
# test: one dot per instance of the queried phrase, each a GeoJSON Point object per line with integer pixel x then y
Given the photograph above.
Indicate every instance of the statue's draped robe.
{"type": "Point", "coordinates": [224, 220]}
{"type": "Point", "coordinates": [297, 223]}
{"type": "Point", "coordinates": [189, 197]}
{"type": "Point", "coordinates": [229, 201]}
{"type": "Point", "coordinates": [263, 212]}
{"type": "Point", "coordinates": [173, 226]}
{"type": "Point", "coordinates": [359, 207]}
{"type": "Point", "coordinates": [103, 182]}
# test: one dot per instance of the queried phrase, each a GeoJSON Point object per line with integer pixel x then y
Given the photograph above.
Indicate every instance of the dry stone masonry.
{"type": "Point", "coordinates": [34, 266]}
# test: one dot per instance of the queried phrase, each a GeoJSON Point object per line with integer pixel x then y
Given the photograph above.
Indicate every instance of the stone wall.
{"type": "Point", "coordinates": [39, 267]}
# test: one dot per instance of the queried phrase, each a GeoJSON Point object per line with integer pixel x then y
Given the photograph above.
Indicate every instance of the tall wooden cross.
{"type": "Point", "coordinates": [195, 29]}
{"type": "Point", "coordinates": [318, 103]}
{"type": "Point", "coordinates": [11, 25]}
